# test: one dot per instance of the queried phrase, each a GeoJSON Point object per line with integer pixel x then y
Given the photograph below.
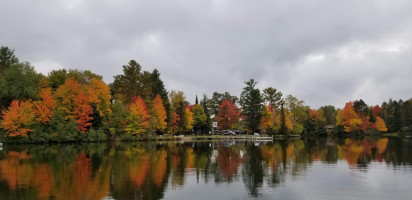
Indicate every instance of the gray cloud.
{"type": "Point", "coordinates": [324, 52]}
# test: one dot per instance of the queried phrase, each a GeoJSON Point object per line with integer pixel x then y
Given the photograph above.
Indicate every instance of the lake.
{"type": "Point", "coordinates": [323, 168]}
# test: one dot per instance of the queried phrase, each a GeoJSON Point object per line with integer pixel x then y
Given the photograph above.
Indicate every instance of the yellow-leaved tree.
{"type": "Point", "coordinates": [99, 93]}
{"type": "Point", "coordinates": [189, 120]}
{"type": "Point", "coordinates": [380, 124]}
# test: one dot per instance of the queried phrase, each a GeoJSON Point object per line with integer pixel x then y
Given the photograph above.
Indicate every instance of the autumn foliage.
{"type": "Point", "coordinates": [229, 161]}
{"type": "Point", "coordinates": [99, 93]}
{"type": "Point", "coordinates": [66, 96]}
{"type": "Point", "coordinates": [350, 120]}
{"type": "Point", "coordinates": [174, 123]}
{"type": "Point", "coordinates": [18, 118]}
{"type": "Point", "coordinates": [228, 115]}
{"type": "Point", "coordinates": [288, 121]}
{"type": "Point", "coordinates": [158, 114]}
{"type": "Point", "coordinates": [139, 169]}
{"type": "Point", "coordinates": [189, 120]}
{"type": "Point", "coordinates": [138, 119]}
{"type": "Point", "coordinates": [66, 103]}
{"type": "Point", "coordinates": [74, 100]}
{"type": "Point", "coordinates": [83, 111]}
{"type": "Point", "coordinates": [380, 124]}
{"type": "Point", "coordinates": [267, 122]}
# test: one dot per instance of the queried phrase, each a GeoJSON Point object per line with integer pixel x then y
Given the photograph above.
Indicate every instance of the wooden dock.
{"type": "Point", "coordinates": [238, 137]}
{"type": "Point", "coordinates": [234, 137]}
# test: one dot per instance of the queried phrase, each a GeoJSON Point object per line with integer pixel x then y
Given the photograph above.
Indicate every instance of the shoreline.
{"type": "Point", "coordinates": [201, 138]}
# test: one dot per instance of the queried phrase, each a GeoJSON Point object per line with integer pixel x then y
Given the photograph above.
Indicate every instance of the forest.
{"type": "Point", "coordinates": [69, 105]}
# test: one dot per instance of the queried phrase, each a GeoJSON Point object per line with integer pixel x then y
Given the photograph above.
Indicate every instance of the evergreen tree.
{"type": "Point", "coordinates": [133, 82]}
{"type": "Point", "coordinates": [272, 96]}
{"type": "Point", "coordinates": [361, 108]}
{"type": "Point", "coordinates": [283, 129]}
{"type": "Point", "coordinates": [7, 59]}
{"type": "Point", "coordinates": [158, 87]}
{"type": "Point", "coordinates": [252, 105]}
{"type": "Point", "coordinates": [207, 128]}
{"type": "Point", "coordinates": [217, 99]}
{"type": "Point", "coordinates": [406, 115]}
{"type": "Point", "coordinates": [392, 115]}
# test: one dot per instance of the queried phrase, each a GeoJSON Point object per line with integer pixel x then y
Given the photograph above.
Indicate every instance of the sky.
{"type": "Point", "coordinates": [323, 52]}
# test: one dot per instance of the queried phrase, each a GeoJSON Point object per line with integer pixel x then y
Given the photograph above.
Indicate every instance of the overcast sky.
{"type": "Point", "coordinates": [321, 51]}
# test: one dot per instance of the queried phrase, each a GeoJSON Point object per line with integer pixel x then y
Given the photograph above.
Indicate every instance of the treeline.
{"type": "Point", "coordinates": [73, 105]}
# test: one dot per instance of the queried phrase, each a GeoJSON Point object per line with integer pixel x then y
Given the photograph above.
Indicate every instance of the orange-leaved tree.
{"type": "Point", "coordinates": [228, 115]}
{"type": "Point", "coordinates": [18, 118]}
{"type": "Point", "coordinates": [83, 111]}
{"type": "Point", "coordinates": [380, 124]}
{"type": "Point", "coordinates": [138, 119]}
{"type": "Point", "coordinates": [44, 109]}
{"type": "Point", "coordinates": [313, 114]}
{"type": "Point", "coordinates": [158, 114]}
{"type": "Point", "coordinates": [350, 120]}
{"type": "Point", "coordinates": [267, 121]}
{"type": "Point", "coordinates": [174, 123]}
{"type": "Point", "coordinates": [73, 100]}
{"type": "Point", "coordinates": [159, 167]}
{"type": "Point", "coordinates": [66, 96]}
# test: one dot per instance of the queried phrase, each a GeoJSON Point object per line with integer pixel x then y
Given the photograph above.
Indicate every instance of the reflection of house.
{"type": "Point", "coordinates": [329, 128]}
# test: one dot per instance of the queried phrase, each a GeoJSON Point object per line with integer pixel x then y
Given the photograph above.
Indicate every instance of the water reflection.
{"type": "Point", "coordinates": [148, 170]}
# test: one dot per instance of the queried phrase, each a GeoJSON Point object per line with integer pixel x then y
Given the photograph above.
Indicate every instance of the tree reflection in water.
{"type": "Point", "coordinates": [147, 170]}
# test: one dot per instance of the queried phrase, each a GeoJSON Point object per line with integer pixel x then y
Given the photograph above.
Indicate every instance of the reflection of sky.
{"type": "Point", "coordinates": [320, 181]}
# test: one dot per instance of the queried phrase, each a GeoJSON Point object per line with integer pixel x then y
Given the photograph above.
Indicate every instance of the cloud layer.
{"type": "Point", "coordinates": [324, 52]}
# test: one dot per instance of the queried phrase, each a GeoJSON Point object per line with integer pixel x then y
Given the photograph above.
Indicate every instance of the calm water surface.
{"type": "Point", "coordinates": [369, 168]}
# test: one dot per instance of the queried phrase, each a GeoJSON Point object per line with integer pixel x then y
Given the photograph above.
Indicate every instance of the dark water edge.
{"type": "Point", "coordinates": [307, 168]}
{"type": "Point", "coordinates": [101, 137]}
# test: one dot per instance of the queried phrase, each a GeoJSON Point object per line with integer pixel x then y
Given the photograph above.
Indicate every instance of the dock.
{"type": "Point", "coordinates": [237, 137]}
{"type": "Point", "coordinates": [234, 137]}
